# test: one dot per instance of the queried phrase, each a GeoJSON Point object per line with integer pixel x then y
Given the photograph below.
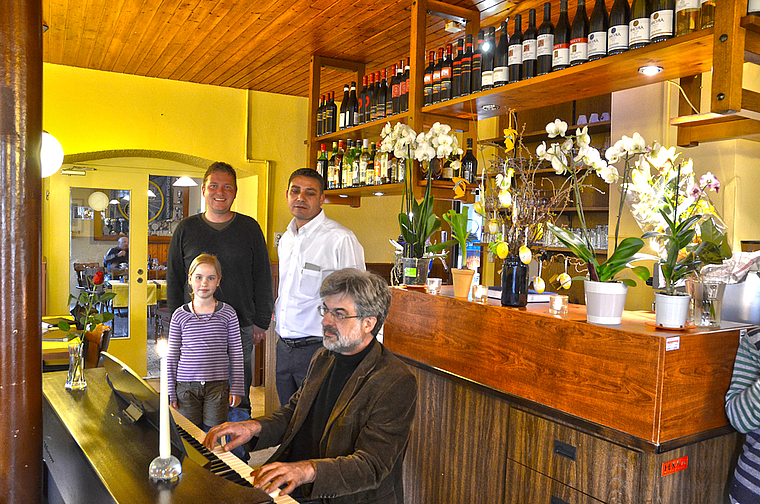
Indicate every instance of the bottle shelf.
{"type": "Point", "coordinates": [594, 128]}
{"type": "Point", "coordinates": [444, 190]}
{"type": "Point", "coordinates": [679, 57]}
{"type": "Point", "coordinates": [352, 195]}
{"type": "Point", "coordinates": [366, 130]}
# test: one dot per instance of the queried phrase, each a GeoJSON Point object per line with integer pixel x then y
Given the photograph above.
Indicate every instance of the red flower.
{"type": "Point", "coordinates": [98, 278]}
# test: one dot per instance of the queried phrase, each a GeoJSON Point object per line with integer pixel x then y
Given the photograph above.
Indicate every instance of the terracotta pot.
{"type": "Point", "coordinates": [605, 301]}
{"type": "Point", "coordinates": [462, 281]}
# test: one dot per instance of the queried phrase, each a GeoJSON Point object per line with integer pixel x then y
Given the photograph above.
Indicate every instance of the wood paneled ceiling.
{"type": "Point", "coordinates": [264, 45]}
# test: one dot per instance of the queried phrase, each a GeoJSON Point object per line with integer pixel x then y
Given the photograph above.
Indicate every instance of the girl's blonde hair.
{"type": "Point", "coordinates": [204, 259]}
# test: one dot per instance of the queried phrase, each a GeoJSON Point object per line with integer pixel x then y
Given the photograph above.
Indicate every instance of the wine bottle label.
{"type": "Point", "coordinates": [579, 49]}
{"type": "Point", "coordinates": [428, 79]}
{"type": "Point", "coordinates": [515, 54]}
{"type": "Point", "coordinates": [356, 118]}
{"type": "Point", "coordinates": [545, 44]}
{"type": "Point", "coordinates": [446, 73]}
{"type": "Point", "coordinates": [597, 44]}
{"type": "Point", "coordinates": [682, 5]}
{"type": "Point", "coordinates": [436, 76]}
{"type": "Point", "coordinates": [342, 121]}
{"type": "Point", "coordinates": [661, 23]}
{"type": "Point", "coordinates": [638, 31]}
{"type": "Point", "coordinates": [396, 90]}
{"type": "Point", "coordinates": [561, 55]}
{"type": "Point", "coordinates": [486, 78]}
{"type": "Point", "coordinates": [617, 38]}
{"type": "Point", "coordinates": [500, 74]}
{"type": "Point", "coordinates": [529, 50]}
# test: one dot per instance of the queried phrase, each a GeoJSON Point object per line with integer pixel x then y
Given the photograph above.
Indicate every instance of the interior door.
{"type": "Point", "coordinates": [60, 228]}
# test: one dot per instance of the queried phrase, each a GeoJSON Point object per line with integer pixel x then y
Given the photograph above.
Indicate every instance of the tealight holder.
{"type": "Point", "coordinates": [480, 294]}
{"type": "Point", "coordinates": [433, 286]}
{"type": "Point", "coordinates": [558, 304]}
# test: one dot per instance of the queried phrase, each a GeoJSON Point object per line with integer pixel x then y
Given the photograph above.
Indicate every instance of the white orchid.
{"type": "Point", "coordinates": [583, 137]}
{"type": "Point", "coordinates": [556, 128]}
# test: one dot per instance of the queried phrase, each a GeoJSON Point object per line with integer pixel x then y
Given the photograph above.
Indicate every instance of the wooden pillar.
{"type": "Point", "coordinates": [20, 251]}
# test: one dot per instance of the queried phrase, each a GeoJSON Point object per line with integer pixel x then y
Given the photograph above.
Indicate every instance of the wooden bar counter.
{"type": "Point", "coordinates": [518, 405]}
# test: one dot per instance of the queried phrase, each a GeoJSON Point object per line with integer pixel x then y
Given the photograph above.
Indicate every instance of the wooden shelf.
{"type": "Point", "coordinates": [352, 195]}
{"type": "Point", "coordinates": [366, 130]}
{"type": "Point", "coordinates": [679, 57]}
{"type": "Point", "coordinates": [541, 135]}
{"type": "Point", "coordinates": [565, 249]}
{"type": "Point", "coordinates": [444, 190]}
{"type": "Point", "coordinates": [585, 209]}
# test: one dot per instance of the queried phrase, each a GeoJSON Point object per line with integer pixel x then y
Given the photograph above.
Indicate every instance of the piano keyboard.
{"type": "Point", "coordinates": [224, 464]}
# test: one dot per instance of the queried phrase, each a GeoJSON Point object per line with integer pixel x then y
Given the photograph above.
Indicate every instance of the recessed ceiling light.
{"type": "Point", "coordinates": [378, 193]}
{"type": "Point", "coordinates": [490, 107]}
{"type": "Point", "coordinates": [650, 70]}
{"type": "Point", "coordinates": [344, 195]}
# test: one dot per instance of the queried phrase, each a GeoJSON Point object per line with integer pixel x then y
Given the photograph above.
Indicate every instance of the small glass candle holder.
{"type": "Point", "coordinates": [480, 294]}
{"type": "Point", "coordinates": [433, 286]}
{"type": "Point", "coordinates": [558, 304]}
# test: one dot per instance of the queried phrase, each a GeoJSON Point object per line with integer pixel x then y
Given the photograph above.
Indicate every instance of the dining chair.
{"type": "Point", "coordinates": [97, 342]}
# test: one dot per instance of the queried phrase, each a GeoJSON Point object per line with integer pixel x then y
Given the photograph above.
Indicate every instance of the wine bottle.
{"type": "Point", "coordinates": [371, 173]}
{"type": "Point", "coordinates": [322, 162]}
{"type": "Point", "coordinates": [579, 36]}
{"type": "Point", "coordinates": [561, 53]}
{"type": "Point", "coordinates": [486, 65]}
{"type": "Point", "coordinates": [329, 180]}
{"type": "Point", "coordinates": [638, 27]}
{"type": "Point", "coordinates": [687, 16]}
{"type": "Point", "coordinates": [501, 61]}
{"type": "Point", "coordinates": [469, 164]}
{"type": "Point", "coordinates": [363, 163]}
{"type": "Point", "coordinates": [368, 98]}
{"type": "Point", "coordinates": [399, 75]}
{"type": "Point", "coordinates": [437, 77]}
{"type": "Point", "coordinates": [382, 95]}
{"type": "Point", "coordinates": [320, 114]}
{"type": "Point", "coordinates": [353, 108]}
{"type": "Point", "coordinates": [467, 68]}
{"type": "Point", "coordinates": [515, 56]}
{"type": "Point", "coordinates": [617, 35]}
{"type": "Point", "coordinates": [477, 55]}
{"type": "Point", "coordinates": [343, 108]}
{"type": "Point", "coordinates": [446, 74]}
{"type": "Point", "coordinates": [661, 20]}
{"type": "Point", "coordinates": [356, 164]}
{"type": "Point", "coordinates": [428, 79]}
{"type": "Point", "coordinates": [456, 71]}
{"type": "Point", "coordinates": [529, 54]}
{"type": "Point", "coordinates": [753, 7]}
{"type": "Point", "coordinates": [327, 115]}
{"type": "Point", "coordinates": [405, 88]}
{"type": "Point", "coordinates": [545, 42]}
{"type": "Point", "coordinates": [597, 32]}
{"type": "Point", "coordinates": [347, 176]}
{"type": "Point", "coordinates": [389, 95]}
{"type": "Point", "coordinates": [338, 167]}
{"type": "Point", "coordinates": [707, 14]}
{"type": "Point", "coordinates": [362, 96]}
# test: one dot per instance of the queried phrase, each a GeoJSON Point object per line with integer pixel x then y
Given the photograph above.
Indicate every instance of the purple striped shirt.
{"type": "Point", "coordinates": [206, 349]}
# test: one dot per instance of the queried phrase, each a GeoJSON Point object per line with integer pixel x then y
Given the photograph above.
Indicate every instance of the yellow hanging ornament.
{"type": "Point", "coordinates": [510, 134]}
{"type": "Point", "coordinates": [525, 254]}
{"type": "Point", "coordinates": [539, 285]}
{"type": "Point", "coordinates": [460, 187]}
{"type": "Point", "coordinates": [564, 280]}
{"type": "Point", "coordinates": [502, 250]}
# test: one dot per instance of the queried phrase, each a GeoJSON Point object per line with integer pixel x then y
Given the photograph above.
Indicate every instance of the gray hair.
{"type": "Point", "coordinates": [369, 292]}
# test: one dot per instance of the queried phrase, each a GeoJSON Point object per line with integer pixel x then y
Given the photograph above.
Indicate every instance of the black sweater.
{"type": "Point", "coordinates": [246, 282]}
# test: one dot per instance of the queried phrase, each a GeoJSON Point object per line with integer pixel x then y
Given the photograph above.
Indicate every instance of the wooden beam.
{"type": "Point", "coordinates": [434, 7]}
{"type": "Point", "coordinates": [340, 64]}
{"type": "Point", "coordinates": [692, 89]}
{"type": "Point", "coordinates": [738, 128]}
{"type": "Point", "coordinates": [728, 57]}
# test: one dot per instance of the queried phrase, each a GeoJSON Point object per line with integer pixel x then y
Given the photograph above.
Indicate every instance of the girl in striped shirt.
{"type": "Point", "coordinates": [205, 355]}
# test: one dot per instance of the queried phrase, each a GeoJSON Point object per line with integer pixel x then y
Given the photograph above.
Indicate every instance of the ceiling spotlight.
{"type": "Point", "coordinates": [378, 193]}
{"type": "Point", "coordinates": [185, 181]}
{"type": "Point", "coordinates": [650, 70]}
{"type": "Point", "coordinates": [113, 202]}
{"type": "Point", "coordinates": [489, 107]}
{"type": "Point", "coordinates": [344, 195]}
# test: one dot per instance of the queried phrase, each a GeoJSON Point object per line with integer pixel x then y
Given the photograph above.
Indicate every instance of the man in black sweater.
{"type": "Point", "coordinates": [237, 241]}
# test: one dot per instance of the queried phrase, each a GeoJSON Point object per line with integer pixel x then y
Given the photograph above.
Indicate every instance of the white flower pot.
{"type": "Point", "coordinates": [671, 311]}
{"type": "Point", "coordinates": [605, 301]}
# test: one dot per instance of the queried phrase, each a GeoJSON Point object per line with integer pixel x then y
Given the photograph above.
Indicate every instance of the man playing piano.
{"type": "Point", "coordinates": [343, 433]}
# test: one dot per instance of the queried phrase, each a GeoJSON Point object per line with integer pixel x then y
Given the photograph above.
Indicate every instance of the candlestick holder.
{"type": "Point", "coordinates": [165, 469]}
{"type": "Point", "coordinates": [558, 304]}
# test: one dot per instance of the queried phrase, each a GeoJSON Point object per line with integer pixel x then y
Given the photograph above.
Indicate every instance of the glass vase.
{"type": "Point", "coordinates": [75, 379]}
{"type": "Point", "coordinates": [415, 270]}
{"type": "Point", "coordinates": [514, 282]}
{"type": "Point", "coordinates": [706, 302]}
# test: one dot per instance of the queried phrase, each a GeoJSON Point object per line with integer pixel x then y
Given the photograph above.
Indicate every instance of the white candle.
{"type": "Point", "coordinates": [164, 446]}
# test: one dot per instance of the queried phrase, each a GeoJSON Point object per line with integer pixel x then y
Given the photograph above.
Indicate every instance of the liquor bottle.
{"type": "Point", "coordinates": [687, 16]}
{"type": "Point", "coordinates": [353, 106]}
{"type": "Point", "coordinates": [753, 7]}
{"type": "Point", "coordinates": [579, 36]}
{"type": "Point", "coordinates": [356, 165]}
{"type": "Point", "coordinates": [331, 166]}
{"type": "Point", "coordinates": [343, 108]}
{"type": "Point", "coordinates": [597, 32]}
{"type": "Point", "coordinates": [477, 61]}
{"type": "Point", "coordinates": [382, 95]}
{"type": "Point", "coordinates": [320, 114]}
{"type": "Point", "coordinates": [467, 68]}
{"type": "Point", "coordinates": [405, 87]}
{"type": "Point", "coordinates": [368, 98]}
{"type": "Point", "coordinates": [545, 42]}
{"type": "Point", "coordinates": [529, 55]}
{"type": "Point", "coordinates": [707, 14]}
{"type": "Point", "coordinates": [389, 96]}
{"type": "Point", "coordinates": [338, 166]}
{"type": "Point", "coordinates": [638, 27]}
{"type": "Point", "coordinates": [345, 172]}
{"type": "Point", "coordinates": [325, 113]}
{"type": "Point", "coordinates": [322, 162]}
{"type": "Point", "coordinates": [371, 174]}
{"type": "Point", "coordinates": [456, 71]}
{"type": "Point", "coordinates": [469, 164]}
{"type": "Point", "coordinates": [515, 56]}
{"type": "Point", "coordinates": [437, 77]}
{"type": "Point", "coordinates": [446, 74]}
{"type": "Point", "coordinates": [661, 21]}
{"type": "Point", "coordinates": [486, 65]}
{"type": "Point", "coordinates": [328, 115]}
{"type": "Point", "coordinates": [362, 96]}
{"type": "Point", "coordinates": [617, 35]}
{"type": "Point", "coordinates": [501, 61]}
{"type": "Point", "coordinates": [428, 80]}
{"type": "Point", "coordinates": [364, 163]}
{"type": "Point", "coordinates": [561, 53]}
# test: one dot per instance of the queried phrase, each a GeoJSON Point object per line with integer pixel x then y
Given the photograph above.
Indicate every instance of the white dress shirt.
{"type": "Point", "coordinates": [307, 256]}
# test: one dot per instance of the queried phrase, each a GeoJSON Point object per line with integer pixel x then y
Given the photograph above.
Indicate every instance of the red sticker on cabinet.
{"type": "Point", "coordinates": [675, 465]}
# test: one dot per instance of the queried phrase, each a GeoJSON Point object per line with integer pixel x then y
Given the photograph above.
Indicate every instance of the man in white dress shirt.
{"type": "Point", "coordinates": [312, 248]}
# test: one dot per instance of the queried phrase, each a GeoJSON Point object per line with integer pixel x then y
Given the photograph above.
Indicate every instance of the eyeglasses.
{"type": "Point", "coordinates": [323, 310]}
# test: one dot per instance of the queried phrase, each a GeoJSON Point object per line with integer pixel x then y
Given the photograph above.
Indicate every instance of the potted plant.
{"type": "Point", "coordinates": [417, 221]}
{"type": "Point", "coordinates": [462, 277]}
{"type": "Point", "coordinates": [606, 286]}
